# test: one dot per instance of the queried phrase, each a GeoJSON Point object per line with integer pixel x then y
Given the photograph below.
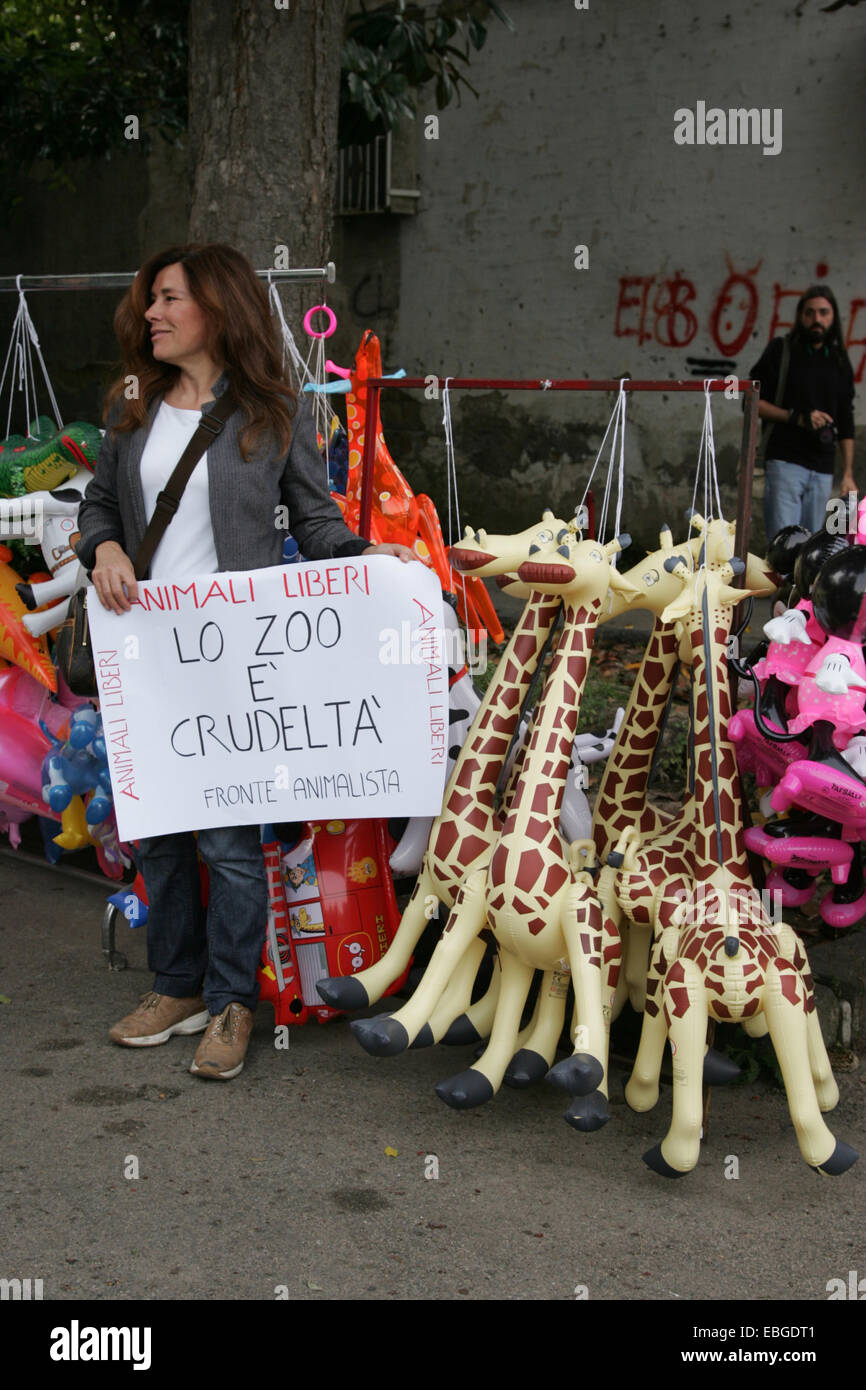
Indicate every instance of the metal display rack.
{"type": "Point", "coordinates": [122, 279]}
{"type": "Point", "coordinates": [750, 391]}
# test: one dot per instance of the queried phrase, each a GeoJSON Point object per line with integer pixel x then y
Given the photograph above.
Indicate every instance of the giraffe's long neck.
{"type": "Point", "coordinates": [621, 799]}
{"type": "Point", "coordinates": [717, 835]}
{"type": "Point", "coordinates": [483, 753]}
{"type": "Point", "coordinates": [546, 764]}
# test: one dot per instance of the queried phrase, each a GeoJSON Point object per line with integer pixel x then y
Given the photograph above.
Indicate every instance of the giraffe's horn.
{"type": "Point", "coordinates": [469, 534]}
{"type": "Point", "coordinates": [619, 543]}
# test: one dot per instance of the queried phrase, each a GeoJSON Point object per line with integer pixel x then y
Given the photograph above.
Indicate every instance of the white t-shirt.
{"type": "Point", "coordinates": [188, 546]}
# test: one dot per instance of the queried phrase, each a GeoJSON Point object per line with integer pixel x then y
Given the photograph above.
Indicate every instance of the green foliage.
{"type": "Point", "coordinates": [602, 696]}
{"type": "Point", "coordinates": [754, 1056]}
{"type": "Point", "coordinates": [71, 71]}
{"type": "Point", "coordinates": [391, 50]}
{"type": "Point", "coordinates": [481, 679]}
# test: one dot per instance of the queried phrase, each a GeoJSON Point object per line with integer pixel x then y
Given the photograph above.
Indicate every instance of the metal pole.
{"type": "Point", "coordinates": [371, 429]}
{"type": "Point", "coordinates": [122, 279]}
{"type": "Point", "coordinates": [535, 384]}
{"type": "Point", "coordinates": [748, 449]}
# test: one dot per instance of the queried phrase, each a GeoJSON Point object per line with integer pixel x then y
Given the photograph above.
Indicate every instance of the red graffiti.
{"type": "Point", "coordinates": [738, 297]}
{"type": "Point", "coordinates": [777, 323]}
{"type": "Point", "coordinates": [675, 324]}
{"type": "Point", "coordinates": [665, 310]}
{"type": "Point", "coordinates": [851, 341]}
{"type": "Point", "coordinates": [628, 301]}
{"type": "Point", "coordinates": [668, 320]}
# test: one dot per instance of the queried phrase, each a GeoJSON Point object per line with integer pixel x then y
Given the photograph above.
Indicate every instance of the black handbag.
{"type": "Point", "coordinates": [73, 651]}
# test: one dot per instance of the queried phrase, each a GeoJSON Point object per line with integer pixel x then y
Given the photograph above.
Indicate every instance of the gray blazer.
{"type": "Point", "coordinates": [243, 496]}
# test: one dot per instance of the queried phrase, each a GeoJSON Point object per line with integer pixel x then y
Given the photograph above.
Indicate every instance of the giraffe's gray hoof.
{"type": "Point", "coordinates": [461, 1032]}
{"type": "Point", "coordinates": [653, 1159]}
{"type": "Point", "coordinates": [343, 992]}
{"type": "Point", "coordinates": [579, 1074]}
{"type": "Point", "coordinates": [841, 1159]}
{"type": "Point", "coordinates": [424, 1039]}
{"type": "Point", "coordinates": [525, 1068]}
{"type": "Point", "coordinates": [719, 1070]}
{"type": "Point", "coordinates": [466, 1090]}
{"type": "Point", "coordinates": [588, 1113]}
{"type": "Point", "coordinates": [382, 1036]}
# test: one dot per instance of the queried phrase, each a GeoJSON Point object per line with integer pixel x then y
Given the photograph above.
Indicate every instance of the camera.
{"type": "Point", "coordinates": [827, 435]}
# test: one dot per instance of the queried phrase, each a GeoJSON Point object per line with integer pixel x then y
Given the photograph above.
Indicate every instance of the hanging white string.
{"type": "Point", "coordinates": [24, 339]}
{"type": "Point", "coordinates": [706, 472]}
{"type": "Point", "coordinates": [621, 479]}
{"type": "Point", "coordinates": [323, 413]}
{"type": "Point", "coordinates": [321, 409]}
{"type": "Point", "coordinates": [617, 421]}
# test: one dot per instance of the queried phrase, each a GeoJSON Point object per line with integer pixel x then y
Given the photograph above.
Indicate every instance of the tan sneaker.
{"type": "Point", "coordinates": [220, 1054]}
{"type": "Point", "coordinates": [156, 1018]}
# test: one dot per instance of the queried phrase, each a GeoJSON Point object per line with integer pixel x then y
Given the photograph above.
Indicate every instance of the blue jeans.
{"type": "Point", "coordinates": [216, 952]}
{"type": "Point", "coordinates": [795, 496]}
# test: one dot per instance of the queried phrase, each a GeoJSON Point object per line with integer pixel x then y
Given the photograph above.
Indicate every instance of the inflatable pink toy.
{"type": "Point", "coordinates": [26, 698]}
{"type": "Point", "coordinates": [768, 761]}
{"type": "Point", "coordinates": [827, 791]}
{"type": "Point", "coordinates": [810, 852]}
{"type": "Point", "coordinates": [10, 821]}
{"type": "Point", "coordinates": [795, 636]}
{"type": "Point", "coordinates": [23, 747]}
{"type": "Point", "coordinates": [832, 688]}
{"type": "Point", "coordinates": [844, 905]}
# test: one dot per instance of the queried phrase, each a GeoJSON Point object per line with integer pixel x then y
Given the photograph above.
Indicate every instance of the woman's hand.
{"type": "Point", "coordinates": [113, 577]}
{"type": "Point", "coordinates": [392, 548]}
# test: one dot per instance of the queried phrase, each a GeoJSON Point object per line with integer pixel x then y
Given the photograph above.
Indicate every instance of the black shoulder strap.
{"type": "Point", "coordinates": [780, 392]}
{"type": "Point", "coordinates": [168, 501]}
{"type": "Point", "coordinates": [783, 371]}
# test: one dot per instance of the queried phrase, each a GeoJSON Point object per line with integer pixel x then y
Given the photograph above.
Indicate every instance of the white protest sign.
{"type": "Point", "coordinates": [275, 695]}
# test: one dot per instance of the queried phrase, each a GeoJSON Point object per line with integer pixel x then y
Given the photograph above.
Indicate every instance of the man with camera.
{"type": "Point", "coordinates": [807, 400]}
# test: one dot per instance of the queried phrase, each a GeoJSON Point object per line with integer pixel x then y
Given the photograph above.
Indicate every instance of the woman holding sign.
{"type": "Point", "coordinates": [196, 335]}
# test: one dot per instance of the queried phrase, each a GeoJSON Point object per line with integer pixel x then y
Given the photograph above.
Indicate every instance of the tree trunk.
{"type": "Point", "coordinates": [263, 100]}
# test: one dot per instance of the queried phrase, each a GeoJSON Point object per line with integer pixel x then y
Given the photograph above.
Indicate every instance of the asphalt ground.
{"type": "Point", "coordinates": [306, 1176]}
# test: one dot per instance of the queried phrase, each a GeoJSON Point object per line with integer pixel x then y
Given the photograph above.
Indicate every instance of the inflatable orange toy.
{"type": "Point", "coordinates": [398, 515]}
{"type": "Point", "coordinates": [16, 644]}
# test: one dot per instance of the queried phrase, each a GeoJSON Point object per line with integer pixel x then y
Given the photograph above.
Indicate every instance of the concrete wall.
{"type": "Point", "coordinates": [693, 251]}
{"type": "Point", "coordinates": [114, 212]}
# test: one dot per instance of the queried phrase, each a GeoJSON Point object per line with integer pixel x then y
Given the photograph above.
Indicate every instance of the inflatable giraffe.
{"type": "Point", "coordinates": [717, 954]}
{"type": "Point", "coordinates": [622, 797]}
{"type": "Point", "coordinates": [466, 829]}
{"type": "Point", "coordinates": [621, 802]}
{"type": "Point", "coordinates": [534, 894]}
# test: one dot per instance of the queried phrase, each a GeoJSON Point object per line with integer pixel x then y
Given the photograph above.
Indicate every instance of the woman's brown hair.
{"type": "Point", "coordinates": [241, 334]}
